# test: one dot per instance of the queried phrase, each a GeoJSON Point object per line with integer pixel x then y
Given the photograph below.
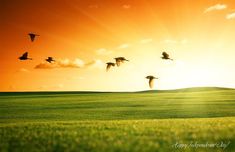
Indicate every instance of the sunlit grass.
{"type": "Point", "coordinates": [143, 121]}
{"type": "Point", "coordinates": [117, 135]}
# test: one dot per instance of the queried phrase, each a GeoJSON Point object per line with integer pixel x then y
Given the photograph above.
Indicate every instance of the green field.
{"type": "Point", "coordinates": [177, 120]}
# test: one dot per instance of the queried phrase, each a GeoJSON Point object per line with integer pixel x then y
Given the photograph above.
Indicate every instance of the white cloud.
{"type": "Point", "coordinates": [103, 51]}
{"type": "Point", "coordinates": [230, 16]}
{"type": "Point", "coordinates": [96, 64]}
{"type": "Point", "coordinates": [78, 62]}
{"type": "Point", "coordinates": [65, 63]}
{"type": "Point", "coordinates": [126, 6]}
{"type": "Point", "coordinates": [169, 41]}
{"type": "Point", "coordinates": [124, 46]}
{"type": "Point", "coordinates": [23, 70]}
{"type": "Point", "coordinates": [215, 7]}
{"type": "Point", "coordinates": [144, 41]}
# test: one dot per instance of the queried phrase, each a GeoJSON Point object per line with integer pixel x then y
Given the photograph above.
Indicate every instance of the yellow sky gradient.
{"type": "Point", "coordinates": [199, 36]}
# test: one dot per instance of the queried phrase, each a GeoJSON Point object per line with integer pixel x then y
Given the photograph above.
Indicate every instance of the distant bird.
{"type": "Point", "coordinates": [25, 57]}
{"type": "Point", "coordinates": [151, 80]}
{"type": "Point", "coordinates": [32, 36]}
{"type": "Point", "coordinates": [109, 65]}
{"type": "Point", "coordinates": [120, 60]}
{"type": "Point", "coordinates": [166, 56]}
{"type": "Point", "coordinates": [50, 59]}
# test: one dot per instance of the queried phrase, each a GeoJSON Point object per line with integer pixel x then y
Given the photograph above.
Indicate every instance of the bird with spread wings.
{"type": "Point", "coordinates": [50, 59]}
{"type": "Point", "coordinates": [32, 36]}
{"type": "Point", "coordinates": [25, 57]}
{"type": "Point", "coordinates": [120, 60]}
{"type": "Point", "coordinates": [109, 65]}
{"type": "Point", "coordinates": [151, 80]}
{"type": "Point", "coordinates": [166, 56]}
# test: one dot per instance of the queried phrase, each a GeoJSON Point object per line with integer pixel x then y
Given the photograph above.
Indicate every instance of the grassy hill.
{"type": "Point", "coordinates": [193, 89]}
{"type": "Point", "coordinates": [127, 121]}
{"type": "Point", "coordinates": [47, 106]}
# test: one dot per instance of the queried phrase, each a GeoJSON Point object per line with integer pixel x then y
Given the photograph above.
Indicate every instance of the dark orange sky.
{"type": "Point", "coordinates": [99, 30]}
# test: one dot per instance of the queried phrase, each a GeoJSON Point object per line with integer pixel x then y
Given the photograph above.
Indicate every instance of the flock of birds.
{"type": "Point", "coordinates": [25, 55]}
{"type": "Point", "coordinates": [118, 60]}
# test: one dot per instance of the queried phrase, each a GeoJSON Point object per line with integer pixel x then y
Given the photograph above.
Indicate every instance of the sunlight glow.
{"type": "Point", "coordinates": [84, 36]}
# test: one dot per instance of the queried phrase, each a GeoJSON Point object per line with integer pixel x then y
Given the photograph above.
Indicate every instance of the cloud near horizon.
{"type": "Point", "coordinates": [23, 70]}
{"type": "Point", "coordinates": [66, 63]}
{"type": "Point", "coordinates": [215, 7]}
{"type": "Point", "coordinates": [126, 6]}
{"type": "Point", "coordinates": [230, 16]}
{"type": "Point", "coordinates": [171, 41]}
{"type": "Point", "coordinates": [145, 41]}
{"type": "Point", "coordinates": [124, 46]}
{"type": "Point", "coordinates": [103, 51]}
{"type": "Point", "coordinates": [96, 64]}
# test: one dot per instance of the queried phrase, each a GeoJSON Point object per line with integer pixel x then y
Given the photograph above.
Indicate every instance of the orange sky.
{"type": "Point", "coordinates": [199, 35]}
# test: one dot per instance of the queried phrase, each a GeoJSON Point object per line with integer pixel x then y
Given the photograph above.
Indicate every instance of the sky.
{"type": "Point", "coordinates": [82, 35]}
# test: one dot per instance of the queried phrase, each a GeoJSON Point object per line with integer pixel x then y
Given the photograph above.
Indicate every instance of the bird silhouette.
{"type": "Point", "coordinates": [109, 65]}
{"type": "Point", "coordinates": [32, 36]}
{"type": "Point", "coordinates": [50, 59]}
{"type": "Point", "coordinates": [166, 56]}
{"type": "Point", "coordinates": [151, 80]}
{"type": "Point", "coordinates": [120, 60]}
{"type": "Point", "coordinates": [25, 57]}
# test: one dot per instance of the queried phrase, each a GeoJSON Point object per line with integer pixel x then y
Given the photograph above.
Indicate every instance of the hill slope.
{"type": "Point", "coordinates": [184, 103]}
{"type": "Point", "coordinates": [100, 122]}
{"type": "Point", "coordinates": [193, 89]}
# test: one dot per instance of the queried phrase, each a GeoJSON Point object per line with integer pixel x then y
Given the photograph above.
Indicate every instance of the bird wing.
{"type": "Point", "coordinates": [32, 37]}
{"type": "Point", "coordinates": [165, 54]}
{"type": "Point", "coordinates": [50, 58]}
{"type": "Point", "coordinates": [25, 55]}
{"type": "Point", "coordinates": [124, 59]}
{"type": "Point", "coordinates": [151, 83]}
{"type": "Point", "coordinates": [108, 67]}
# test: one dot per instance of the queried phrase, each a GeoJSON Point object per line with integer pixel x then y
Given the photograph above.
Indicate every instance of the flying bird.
{"type": "Point", "coordinates": [109, 65]}
{"type": "Point", "coordinates": [166, 56]}
{"type": "Point", "coordinates": [151, 80]}
{"type": "Point", "coordinates": [120, 60]}
{"type": "Point", "coordinates": [25, 57]}
{"type": "Point", "coordinates": [50, 59]}
{"type": "Point", "coordinates": [32, 36]}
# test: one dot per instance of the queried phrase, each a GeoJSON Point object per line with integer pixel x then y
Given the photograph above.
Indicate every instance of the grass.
{"type": "Point", "coordinates": [141, 121]}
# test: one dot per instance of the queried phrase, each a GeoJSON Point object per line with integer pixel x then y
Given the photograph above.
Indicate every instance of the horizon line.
{"type": "Point", "coordinates": [93, 91]}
